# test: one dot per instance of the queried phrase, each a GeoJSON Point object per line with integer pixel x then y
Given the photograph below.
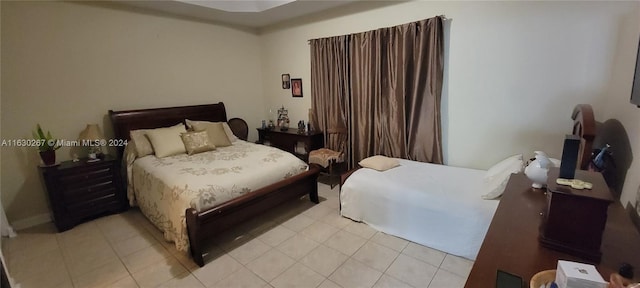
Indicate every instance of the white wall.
{"type": "Point", "coordinates": [66, 64]}
{"type": "Point", "coordinates": [514, 70]}
{"type": "Point", "coordinates": [618, 92]}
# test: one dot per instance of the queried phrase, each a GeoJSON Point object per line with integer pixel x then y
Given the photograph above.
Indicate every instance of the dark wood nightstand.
{"type": "Point", "coordinates": [82, 190]}
{"type": "Point", "coordinates": [574, 220]}
{"type": "Point", "coordinates": [288, 140]}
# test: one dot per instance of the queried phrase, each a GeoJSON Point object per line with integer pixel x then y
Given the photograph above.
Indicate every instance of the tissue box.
{"type": "Point", "coordinates": [578, 275]}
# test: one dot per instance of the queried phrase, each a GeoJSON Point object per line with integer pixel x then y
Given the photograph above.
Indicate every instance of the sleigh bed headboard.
{"type": "Point", "coordinates": [125, 121]}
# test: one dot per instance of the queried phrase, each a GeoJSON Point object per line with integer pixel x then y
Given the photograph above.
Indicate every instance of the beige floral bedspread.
{"type": "Point", "coordinates": [164, 188]}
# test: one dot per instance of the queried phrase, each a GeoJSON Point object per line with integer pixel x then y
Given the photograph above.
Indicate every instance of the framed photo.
{"type": "Point", "coordinates": [296, 87]}
{"type": "Point", "coordinates": [285, 81]}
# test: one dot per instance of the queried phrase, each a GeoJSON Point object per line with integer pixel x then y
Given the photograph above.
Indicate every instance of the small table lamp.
{"type": "Point", "coordinates": [92, 137]}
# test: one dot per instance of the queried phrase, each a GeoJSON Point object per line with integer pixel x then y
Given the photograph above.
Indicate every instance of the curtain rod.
{"type": "Point", "coordinates": [444, 18]}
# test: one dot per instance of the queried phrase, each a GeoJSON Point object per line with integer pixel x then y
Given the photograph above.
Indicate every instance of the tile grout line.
{"type": "Point", "coordinates": [157, 241]}
{"type": "Point", "coordinates": [280, 274]}
{"type": "Point", "coordinates": [66, 267]}
{"type": "Point", "coordinates": [119, 258]}
{"type": "Point", "coordinates": [391, 264]}
{"type": "Point", "coordinates": [296, 261]}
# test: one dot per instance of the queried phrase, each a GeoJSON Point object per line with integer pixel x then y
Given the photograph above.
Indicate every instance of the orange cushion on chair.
{"type": "Point", "coordinates": [323, 156]}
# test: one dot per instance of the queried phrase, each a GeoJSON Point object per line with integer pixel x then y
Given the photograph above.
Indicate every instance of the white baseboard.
{"type": "Point", "coordinates": [31, 221]}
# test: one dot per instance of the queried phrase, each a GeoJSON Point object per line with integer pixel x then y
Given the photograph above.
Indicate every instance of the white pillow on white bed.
{"type": "Point", "coordinates": [498, 175]}
{"type": "Point", "coordinates": [379, 163]}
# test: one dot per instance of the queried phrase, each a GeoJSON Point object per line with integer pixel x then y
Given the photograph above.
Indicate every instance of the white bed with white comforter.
{"type": "Point", "coordinates": [434, 205]}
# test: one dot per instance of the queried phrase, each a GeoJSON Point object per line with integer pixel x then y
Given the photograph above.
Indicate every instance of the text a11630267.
{"type": "Point", "coordinates": [62, 142]}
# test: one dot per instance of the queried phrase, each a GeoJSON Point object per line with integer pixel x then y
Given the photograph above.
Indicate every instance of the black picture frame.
{"type": "Point", "coordinates": [296, 87]}
{"type": "Point", "coordinates": [286, 84]}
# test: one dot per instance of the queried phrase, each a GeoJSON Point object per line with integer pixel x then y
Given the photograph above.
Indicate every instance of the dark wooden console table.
{"type": "Point", "coordinates": [288, 140]}
{"type": "Point", "coordinates": [512, 245]}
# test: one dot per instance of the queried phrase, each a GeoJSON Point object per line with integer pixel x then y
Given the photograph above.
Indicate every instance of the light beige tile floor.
{"type": "Point", "coordinates": [295, 245]}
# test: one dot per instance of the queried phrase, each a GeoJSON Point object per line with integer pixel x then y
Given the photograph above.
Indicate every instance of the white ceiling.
{"type": "Point", "coordinates": [238, 6]}
{"type": "Point", "coordinates": [242, 13]}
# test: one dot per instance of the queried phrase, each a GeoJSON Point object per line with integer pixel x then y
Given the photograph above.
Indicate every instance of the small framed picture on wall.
{"type": "Point", "coordinates": [296, 87]}
{"type": "Point", "coordinates": [285, 81]}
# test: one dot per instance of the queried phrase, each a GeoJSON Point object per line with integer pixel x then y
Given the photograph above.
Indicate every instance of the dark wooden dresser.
{"type": "Point", "coordinates": [575, 219]}
{"type": "Point", "coordinates": [512, 243]}
{"type": "Point", "coordinates": [288, 140]}
{"type": "Point", "coordinates": [83, 190]}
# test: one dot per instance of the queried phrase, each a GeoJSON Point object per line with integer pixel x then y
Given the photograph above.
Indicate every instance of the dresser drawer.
{"type": "Point", "coordinates": [88, 184]}
{"type": "Point", "coordinates": [95, 207]}
{"type": "Point", "coordinates": [85, 194]}
{"type": "Point", "coordinates": [71, 178]}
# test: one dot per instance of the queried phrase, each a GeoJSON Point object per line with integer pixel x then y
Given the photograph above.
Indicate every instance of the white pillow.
{"type": "Point", "coordinates": [227, 130]}
{"type": "Point", "coordinates": [496, 178]}
{"type": "Point", "coordinates": [379, 162]}
{"type": "Point", "coordinates": [503, 165]}
{"type": "Point", "coordinates": [167, 141]}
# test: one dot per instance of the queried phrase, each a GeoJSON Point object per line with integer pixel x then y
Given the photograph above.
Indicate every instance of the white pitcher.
{"type": "Point", "coordinates": [537, 170]}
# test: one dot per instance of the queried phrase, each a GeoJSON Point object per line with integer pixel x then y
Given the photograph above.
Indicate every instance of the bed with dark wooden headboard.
{"type": "Point", "coordinates": [208, 223]}
{"type": "Point", "coordinates": [125, 121]}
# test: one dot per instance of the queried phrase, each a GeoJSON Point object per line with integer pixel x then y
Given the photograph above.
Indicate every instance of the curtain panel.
{"type": "Point", "coordinates": [330, 83]}
{"type": "Point", "coordinates": [385, 86]}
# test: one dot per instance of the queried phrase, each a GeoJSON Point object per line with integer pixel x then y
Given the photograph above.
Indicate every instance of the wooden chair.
{"type": "Point", "coordinates": [239, 128]}
{"type": "Point", "coordinates": [330, 159]}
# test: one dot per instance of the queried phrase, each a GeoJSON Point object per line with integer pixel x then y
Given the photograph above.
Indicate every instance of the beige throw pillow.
{"type": "Point", "coordinates": [217, 136]}
{"type": "Point", "coordinates": [379, 162]}
{"type": "Point", "coordinates": [227, 130]}
{"type": "Point", "coordinates": [142, 145]}
{"type": "Point", "coordinates": [167, 141]}
{"type": "Point", "coordinates": [197, 142]}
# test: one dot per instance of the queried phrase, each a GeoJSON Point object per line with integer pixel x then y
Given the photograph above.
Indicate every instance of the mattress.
{"type": "Point", "coordinates": [164, 188]}
{"type": "Point", "coordinates": [433, 205]}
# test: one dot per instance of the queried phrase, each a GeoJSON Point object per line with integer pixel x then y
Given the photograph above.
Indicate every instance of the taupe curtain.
{"type": "Point", "coordinates": [330, 85]}
{"type": "Point", "coordinates": [424, 134]}
{"type": "Point", "coordinates": [391, 104]}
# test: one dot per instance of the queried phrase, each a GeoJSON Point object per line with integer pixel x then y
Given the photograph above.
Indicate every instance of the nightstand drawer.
{"type": "Point", "coordinates": [85, 194]}
{"type": "Point", "coordinates": [86, 177]}
{"type": "Point", "coordinates": [70, 187]}
{"type": "Point", "coordinates": [94, 207]}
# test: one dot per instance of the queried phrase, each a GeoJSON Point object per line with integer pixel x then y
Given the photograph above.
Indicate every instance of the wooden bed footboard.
{"type": "Point", "coordinates": [207, 224]}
